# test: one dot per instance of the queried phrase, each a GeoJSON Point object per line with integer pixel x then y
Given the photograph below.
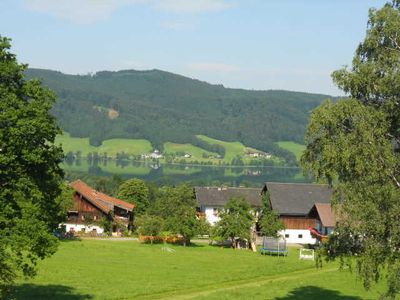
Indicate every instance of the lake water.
{"type": "Point", "coordinates": [197, 174]}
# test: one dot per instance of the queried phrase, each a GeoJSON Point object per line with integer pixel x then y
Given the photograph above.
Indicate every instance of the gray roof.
{"type": "Point", "coordinates": [217, 197]}
{"type": "Point", "coordinates": [297, 198]}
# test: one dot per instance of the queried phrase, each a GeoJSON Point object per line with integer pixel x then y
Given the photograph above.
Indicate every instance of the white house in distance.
{"type": "Point", "coordinates": [212, 199]}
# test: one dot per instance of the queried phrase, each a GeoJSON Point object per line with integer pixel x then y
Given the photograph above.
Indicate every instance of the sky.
{"type": "Point", "coordinates": [253, 44]}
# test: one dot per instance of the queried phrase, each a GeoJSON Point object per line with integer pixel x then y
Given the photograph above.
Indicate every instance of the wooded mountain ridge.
{"type": "Point", "coordinates": [162, 106]}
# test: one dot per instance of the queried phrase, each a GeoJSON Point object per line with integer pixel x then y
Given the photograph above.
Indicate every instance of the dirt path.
{"type": "Point", "coordinates": [233, 285]}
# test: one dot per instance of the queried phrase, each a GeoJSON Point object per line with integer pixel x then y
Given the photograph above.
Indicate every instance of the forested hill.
{"type": "Point", "coordinates": [162, 106]}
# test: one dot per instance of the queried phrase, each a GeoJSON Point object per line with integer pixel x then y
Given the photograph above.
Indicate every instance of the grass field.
{"type": "Point", "coordinates": [112, 146]}
{"type": "Point", "coordinates": [141, 146]}
{"type": "Point", "coordinates": [195, 152]}
{"type": "Point", "coordinates": [96, 269]}
{"type": "Point", "coordinates": [295, 148]}
{"type": "Point", "coordinates": [232, 149]}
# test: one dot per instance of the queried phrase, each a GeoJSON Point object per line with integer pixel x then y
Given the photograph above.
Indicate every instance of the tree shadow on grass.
{"type": "Point", "coordinates": [314, 292]}
{"type": "Point", "coordinates": [53, 292]}
{"type": "Point", "coordinates": [74, 239]}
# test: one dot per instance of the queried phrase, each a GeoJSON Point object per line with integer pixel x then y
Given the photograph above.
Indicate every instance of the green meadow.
{"type": "Point", "coordinates": [111, 147]}
{"type": "Point", "coordinates": [195, 152]}
{"type": "Point", "coordinates": [141, 146]}
{"type": "Point", "coordinates": [232, 149]}
{"type": "Point", "coordinates": [295, 148]}
{"type": "Point", "coordinates": [126, 269]}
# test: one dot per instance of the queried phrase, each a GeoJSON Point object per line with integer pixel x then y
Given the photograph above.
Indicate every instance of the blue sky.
{"type": "Point", "coordinates": [269, 44]}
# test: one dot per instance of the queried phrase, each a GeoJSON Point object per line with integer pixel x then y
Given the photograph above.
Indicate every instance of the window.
{"type": "Point", "coordinates": [300, 236]}
{"type": "Point", "coordinates": [286, 236]}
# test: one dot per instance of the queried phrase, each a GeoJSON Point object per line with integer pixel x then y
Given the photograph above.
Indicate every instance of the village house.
{"type": "Point", "coordinates": [212, 199]}
{"type": "Point", "coordinates": [156, 154]}
{"type": "Point", "coordinates": [300, 208]}
{"type": "Point", "coordinates": [259, 155]}
{"type": "Point", "coordinates": [91, 207]}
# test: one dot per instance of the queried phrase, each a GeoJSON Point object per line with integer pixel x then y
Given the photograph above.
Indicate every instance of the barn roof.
{"type": "Point", "coordinates": [217, 196]}
{"type": "Point", "coordinates": [102, 201]}
{"type": "Point", "coordinates": [297, 198]}
{"type": "Point", "coordinates": [326, 214]}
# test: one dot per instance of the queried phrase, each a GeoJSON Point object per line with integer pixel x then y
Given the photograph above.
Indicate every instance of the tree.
{"type": "Point", "coordinates": [149, 225]}
{"type": "Point", "coordinates": [177, 206]}
{"type": "Point", "coordinates": [203, 226]}
{"type": "Point", "coordinates": [354, 143]}
{"type": "Point", "coordinates": [30, 175]}
{"type": "Point", "coordinates": [65, 201]}
{"type": "Point", "coordinates": [135, 191]}
{"type": "Point", "coordinates": [269, 220]}
{"type": "Point", "coordinates": [236, 220]}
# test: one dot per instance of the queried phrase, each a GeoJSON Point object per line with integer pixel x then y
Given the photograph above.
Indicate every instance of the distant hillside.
{"type": "Point", "coordinates": [164, 107]}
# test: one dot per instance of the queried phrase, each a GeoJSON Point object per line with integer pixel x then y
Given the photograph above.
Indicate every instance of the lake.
{"type": "Point", "coordinates": [197, 174]}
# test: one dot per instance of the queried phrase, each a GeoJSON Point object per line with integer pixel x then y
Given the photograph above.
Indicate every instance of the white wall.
{"type": "Point", "coordinates": [79, 227]}
{"type": "Point", "coordinates": [294, 236]}
{"type": "Point", "coordinates": [211, 217]}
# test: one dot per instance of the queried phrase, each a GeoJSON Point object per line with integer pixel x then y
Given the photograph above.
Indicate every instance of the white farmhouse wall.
{"type": "Point", "coordinates": [79, 227]}
{"type": "Point", "coordinates": [294, 236]}
{"type": "Point", "coordinates": [211, 215]}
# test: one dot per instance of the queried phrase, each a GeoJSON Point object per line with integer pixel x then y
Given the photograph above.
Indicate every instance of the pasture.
{"type": "Point", "coordinates": [232, 149]}
{"type": "Point", "coordinates": [195, 152]}
{"type": "Point", "coordinates": [111, 147]}
{"type": "Point", "coordinates": [295, 148]}
{"type": "Point", "coordinates": [142, 146]}
{"type": "Point", "coordinates": [109, 269]}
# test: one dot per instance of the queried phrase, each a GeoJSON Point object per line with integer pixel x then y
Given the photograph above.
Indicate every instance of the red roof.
{"type": "Point", "coordinates": [102, 201]}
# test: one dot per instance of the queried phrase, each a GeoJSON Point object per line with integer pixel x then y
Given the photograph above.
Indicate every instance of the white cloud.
{"type": "Point", "coordinates": [213, 67]}
{"type": "Point", "coordinates": [193, 6]}
{"type": "Point", "coordinates": [79, 11]}
{"type": "Point", "coordinates": [91, 11]}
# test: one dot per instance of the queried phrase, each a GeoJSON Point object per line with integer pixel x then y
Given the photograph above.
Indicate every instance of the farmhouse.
{"type": "Point", "coordinates": [91, 207]}
{"type": "Point", "coordinates": [301, 207]}
{"type": "Point", "coordinates": [212, 199]}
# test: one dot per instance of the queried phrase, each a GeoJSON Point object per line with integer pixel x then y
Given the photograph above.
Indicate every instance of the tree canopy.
{"type": "Point", "coordinates": [354, 143]}
{"type": "Point", "coordinates": [235, 221]}
{"type": "Point", "coordinates": [177, 206]}
{"type": "Point", "coordinates": [269, 219]}
{"type": "Point", "coordinates": [135, 191]}
{"type": "Point", "coordinates": [30, 176]}
{"type": "Point", "coordinates": [149, 225]}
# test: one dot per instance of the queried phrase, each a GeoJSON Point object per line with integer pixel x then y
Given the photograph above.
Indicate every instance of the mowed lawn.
{"type": "Point", "coordinates": [107, 269]}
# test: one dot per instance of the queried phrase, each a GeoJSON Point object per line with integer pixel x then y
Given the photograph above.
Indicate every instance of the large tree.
{"type": "Point", "coordinates": [269, 219]}
{"type": "Point", "coordinates": [354, 145]}
{"type": "Point", "coordinates": [135, 191]}
{"type": "Point", "coordinates": [177, 206]}
{"type": "Point", "coordinates": [30, 176]}
{"type": "Point", "coordinates": [149, 226]}
{"type": "Point", "coordinates": [236, 220]}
